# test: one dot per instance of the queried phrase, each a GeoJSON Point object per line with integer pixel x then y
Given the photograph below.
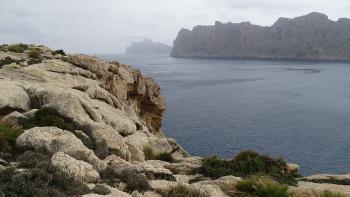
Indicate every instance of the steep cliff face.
{"type": "Point", "coordinates": [312, 36]}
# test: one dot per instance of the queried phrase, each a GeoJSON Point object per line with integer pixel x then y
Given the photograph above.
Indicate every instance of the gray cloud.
{"type": "Point", "coordinates": [108, 26]}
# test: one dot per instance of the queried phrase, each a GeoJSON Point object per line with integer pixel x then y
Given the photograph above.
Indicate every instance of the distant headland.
{"type": "Point", "coordinates": [148, 47]}
{"type": "Point", "coordinates": [309, 37]}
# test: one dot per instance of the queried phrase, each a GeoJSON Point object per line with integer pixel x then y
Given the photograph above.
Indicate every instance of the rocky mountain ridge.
{"type": "Point", "coordinates": [309, 37]}
{"type": "Point", "coordinates": [75, 125]}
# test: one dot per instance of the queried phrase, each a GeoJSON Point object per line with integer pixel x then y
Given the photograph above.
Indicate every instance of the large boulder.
{"type": "Point", "coordinates": [57, 140]}
{"type": "Point", "coordinates": [13, 98]}
{"type": "Point", "coordinates": [77, 169]}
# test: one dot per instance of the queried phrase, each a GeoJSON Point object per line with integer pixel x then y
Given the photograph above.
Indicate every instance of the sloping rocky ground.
{"type": "Point", "coordinates": [75, 125]}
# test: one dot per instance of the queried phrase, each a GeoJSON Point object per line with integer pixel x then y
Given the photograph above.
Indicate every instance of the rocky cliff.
{"type": "Point", "coordinates": [309, 37]}
{"type": "Point", "coordinates": [148, 47]}
{"type": "Point", "coordinates": [74, 125]}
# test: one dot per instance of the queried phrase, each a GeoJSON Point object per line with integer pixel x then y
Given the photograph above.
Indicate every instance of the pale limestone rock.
{"type": "Point", "coordinates": [77, 169]}
{"type": "Point", "coordinates": [292, 168]}
{"type": "Point", "coordinates": [311, 189]}
{"type": "Point", "coordinates": [185, 165]}
{"type": "Point", "coordinates": [13, 97]}
{"type": "Point", "coordinates": [58, 140]}
{"type": "Point", "coordinates": [161, 186]}
{"type": "Point", "coordinates": [225, 183]}
{"type": "Point", "coordinates": [30, 113]}
{"type": "Point", "coordinates": [12, 119]}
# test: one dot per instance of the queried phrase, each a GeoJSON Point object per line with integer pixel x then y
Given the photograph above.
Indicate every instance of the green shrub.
{"type": "Point", "coordinates": [5, 61]}
{"type": "Point", "coordinates": [41, 179]}
{"type": "Point", "coordinates": [34, 61]}
{"type": "Point", "coordinates": [273, 190]}
{"type": "Point", "coordinates": [149, 153]}
{"type": "Point", "coordinates": [47, 117]}
{"type": "Point", "coordinates": [35, 54]}
{"type": "Point", "coordinates": [101, 189]}
{"type": "Point", "coordinates": [261, 186]}
{"type": "Point", "coordinates": [8, 134]}
{"type": "Point", "coordinates": [245, 164]}
{"type": "Point", "coordinates": [332, 194]}
{"type": "Point", "coordinates": [246, 186]}
{"type": "Point", "coordinates": [17, 48]}
{"type": "Point", "coordinates": [165, 157]}
{"type": "Point", "coordinates": [59, 52]}
{"type": "Point", "coordinates": [183, 191]}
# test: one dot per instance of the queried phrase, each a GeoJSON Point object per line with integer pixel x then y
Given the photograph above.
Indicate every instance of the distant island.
{"type": "Point", "coordinates": [148, 47]}
{"type": "Point", "coordinates": [309, 37]}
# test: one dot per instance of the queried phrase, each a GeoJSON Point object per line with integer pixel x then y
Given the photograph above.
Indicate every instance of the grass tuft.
{"type": "Point", "coordinates": [184, 191]}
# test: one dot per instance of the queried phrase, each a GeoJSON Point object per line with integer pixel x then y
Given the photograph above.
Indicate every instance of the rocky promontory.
{"type": "Point", "coordinates": [148, 47]}
{"type": "Point", "coordinates": [76, 125]}
{"type": "Point", "coordinates": [309, 37]}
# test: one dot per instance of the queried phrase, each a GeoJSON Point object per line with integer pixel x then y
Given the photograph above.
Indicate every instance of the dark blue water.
{"type": "Point", "coordinates": [296, 110]}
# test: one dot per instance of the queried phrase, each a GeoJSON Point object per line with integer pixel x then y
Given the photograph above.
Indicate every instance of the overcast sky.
{"type": "Point", "coordinates": [108, 26]}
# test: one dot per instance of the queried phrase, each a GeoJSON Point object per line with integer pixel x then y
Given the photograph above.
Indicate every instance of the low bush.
{"type": "Point", "coordinates": [165, 157]}
{"type": "Point", "coordinates": [35, 54]}
{"type": "Point", "coordinates": [47, 117]}
{"type": "Point", "coordinates": [262, 187]}
{"type": "Point", "coordinates": [17, 48]}
{"type": "Point", "coordinates": [101, 189]}
{"type": "Point", "coordinates": [58, 52]}
{"type": "Point", "coordinates": [9, 134]}
{"type": "Point", "coordinates": [149, 153]}
{"type": "Point", "coordinates": [6, 61]}
{"type": "Point", "coordinates": [183, 191]}
{"type": "Point", "coordinates": [245, 164]}
{"type": "Point", "coordinates": [246, 186]}
{"type": "Point", "coordinates": [41, 179]}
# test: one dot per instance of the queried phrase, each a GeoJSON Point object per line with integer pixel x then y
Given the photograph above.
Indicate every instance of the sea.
{"type": "Point", "coordinates": [297, 110]}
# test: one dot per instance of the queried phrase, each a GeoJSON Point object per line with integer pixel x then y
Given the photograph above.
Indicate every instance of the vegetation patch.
{"type": "Point", "coordinates": [150, 155]}
{"type": "Point", "coordinates": [6, 61]}
{"type": "Point", "coordinates": [17, 48]}
{"type": "Point", "coordinates": [246, 164]}
{"type": "Point", "coordinates": [8, 136]}
{"type": "Point", "coordinates": [165, 157]}
{"type": "Point", "coordinates": [101, 189]}
{"type": "Point", "coordinates": [35, 53]}
{"type": "Point", "coordinates": [262, 187]}
{"type": "Point", "coordinates": [47, 117]}
{"type": "Point", "coordinates": [58, 52]}
{"type": "Point", "coordinates": [50, 117]}
{"type": "Point", "coordinates": [184, 191]}
{"type": "Point", "coordinates": [40, 178]}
